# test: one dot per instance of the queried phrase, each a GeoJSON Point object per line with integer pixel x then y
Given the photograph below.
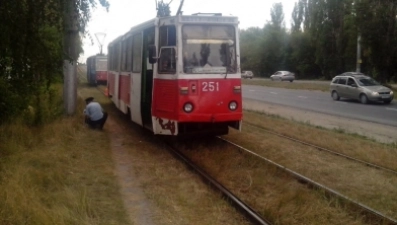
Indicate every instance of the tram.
{"type": "Point", "coordinates": [179, 75]}
{"type": "Point", "coordinates": [97, 69]}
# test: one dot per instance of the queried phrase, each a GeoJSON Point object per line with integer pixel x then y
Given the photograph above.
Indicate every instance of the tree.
{"type": "Point", "coordinates": [376, 21]}
{"type": "Point", "coordinates": [250, 47]}
{"type": "Point", "coordinates": [277, 16]}
{"type": "Point", "coordinates": [297, 16]}
{"type": "Point", "coordinates": [274, 42]}
{"type": "Point", "coordinates": [32, 49]}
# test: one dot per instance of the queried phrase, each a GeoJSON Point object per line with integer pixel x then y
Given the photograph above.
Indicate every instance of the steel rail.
{"type": "Point", "coordinates": [326, 150]}
{"type": "Point", "coordinates": [240, 205]}
{"type": "Point", "coordinates": [370, 212]}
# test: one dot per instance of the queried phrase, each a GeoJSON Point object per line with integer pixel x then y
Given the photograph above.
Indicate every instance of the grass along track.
{"type": "Point", "coordinates": [372, 186]}
{"type": "Point", "coordinates": [274, 194]}
{"type": "Point", "coordinates": [365, 213]}
{"type": "Point", "coordinates": [246, 210]}
{"type": "Point", "coordinates": [370, 164]}
{"type": "Point", "coordinates": [372, 216]}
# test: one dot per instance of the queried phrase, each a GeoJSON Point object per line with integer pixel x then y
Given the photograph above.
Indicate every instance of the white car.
{"type": "Point", "coordinates": [247, 74]}
{"type": "Point", "coordinates": [283, 75]}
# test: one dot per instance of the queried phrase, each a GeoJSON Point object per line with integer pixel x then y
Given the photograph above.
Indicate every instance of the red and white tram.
{"type": "Point", "coordinates": [97, 69]}
{"type": "Point", "coordinates": [179, 75]}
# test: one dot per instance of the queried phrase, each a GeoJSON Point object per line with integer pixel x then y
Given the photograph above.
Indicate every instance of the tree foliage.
{"type": "Point", "coordinates": [32, 48]}
{"type": "Point", "coordinates": [322, 40]}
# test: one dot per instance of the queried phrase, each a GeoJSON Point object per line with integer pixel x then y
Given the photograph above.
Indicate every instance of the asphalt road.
{"type": "Point", "coordinates": [322, 102]}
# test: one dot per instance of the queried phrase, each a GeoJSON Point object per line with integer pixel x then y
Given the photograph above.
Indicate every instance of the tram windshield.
{"type": "Point", "coordinates": [209, 49]}
{"type": "Point", "coordinates": [101, 64]}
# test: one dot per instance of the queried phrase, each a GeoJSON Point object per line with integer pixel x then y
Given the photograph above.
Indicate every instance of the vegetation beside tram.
{"type": "Point", "coordinates": [32, 49]}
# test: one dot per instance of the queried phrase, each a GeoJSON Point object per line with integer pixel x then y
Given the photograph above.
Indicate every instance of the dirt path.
{"type": "Point", "coordinates": [138, 207]}
{"type": "Point", "coordinates": [379, 132]}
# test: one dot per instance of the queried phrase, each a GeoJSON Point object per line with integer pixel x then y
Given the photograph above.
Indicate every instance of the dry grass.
{"type": "Point", "coordinates": [372, 187]}
{"type": "Point", "coordinates": [337, 140]}
{"type": "Point", "coordinates": [276, 196]}
{"type": "Point", "coordinates": [59, 173]}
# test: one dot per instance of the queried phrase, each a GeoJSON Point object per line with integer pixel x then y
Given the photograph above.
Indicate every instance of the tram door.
{"type": "Point", "coordinates": [147, 79]}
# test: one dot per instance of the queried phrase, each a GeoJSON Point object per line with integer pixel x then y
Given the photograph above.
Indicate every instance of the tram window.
{"type": "Point", "coordinates": [117, 56]}
{"type": "Point", "coordinates": [167, 36]}
{"type": "Point", "coordinates": [129, 54]}
{"type": "Point", "coordinates": [124, 56]}
{"type": "Point", "coordinates": [167, 62]}
{"type": "Point", "coordinates": [110, 57]}
{"type": "Point", "coordinates": [137, 53]}
{"type": "Point", "coordinates": [110, 54]}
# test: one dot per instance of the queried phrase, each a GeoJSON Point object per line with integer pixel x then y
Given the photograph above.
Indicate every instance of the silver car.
{"type": "Point", "coordinates": [283, 75]}
{"type": "Point", "coordinates": [247, 74]}
{"type": "Point", "coordinates": [358, 86]}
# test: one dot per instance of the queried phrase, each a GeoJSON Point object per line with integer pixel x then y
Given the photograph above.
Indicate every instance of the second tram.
{"type": "Point", "coordinates": [97, 69]}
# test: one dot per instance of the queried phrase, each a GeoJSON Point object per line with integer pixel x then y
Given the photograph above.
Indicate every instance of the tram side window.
{"type": "Point", "coordinates": [167, 36]}
{"type": "Point", "coordinates": [112, 55]}
{"type": "Point", "coordinates": [129, 54]}
{"type": "Point", "coordinates": [117, 56]}
{"type": "Point", "coordinates": [167, 62]}
{"type": "Point", "coordinates": [149, 36]}
{"type": "Point", "coordinates": [137, 53]}
{"type": "Point", "coordinates": [111, 58]}
{"type": "Point", "coordinates": [124, 56]}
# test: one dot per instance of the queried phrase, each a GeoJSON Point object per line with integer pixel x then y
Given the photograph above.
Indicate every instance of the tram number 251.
{"type": "Point", "coordinates": [210, 86]}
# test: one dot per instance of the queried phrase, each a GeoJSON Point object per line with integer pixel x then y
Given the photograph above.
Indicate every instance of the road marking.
{"type": "Point", "coordinates": [251, 90]}
{"type": "Point", "coordinates": [273, 93]}
{"type": "Point", "coordinates": [393, 109]}
{"type": "Point", "coordinates": [302, 97]}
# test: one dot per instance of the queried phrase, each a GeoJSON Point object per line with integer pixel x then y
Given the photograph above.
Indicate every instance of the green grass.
{"type": "Point", "coordinates": [289, 85]}
{"type": "Point", "coordinates": [298, 86]}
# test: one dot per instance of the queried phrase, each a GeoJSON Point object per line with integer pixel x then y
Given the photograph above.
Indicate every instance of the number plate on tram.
{"type": "Point", "coordinates": [209, 86]}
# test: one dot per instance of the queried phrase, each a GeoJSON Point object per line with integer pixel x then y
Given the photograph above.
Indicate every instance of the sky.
{"type": "Point", "coordinates": [124, 14]}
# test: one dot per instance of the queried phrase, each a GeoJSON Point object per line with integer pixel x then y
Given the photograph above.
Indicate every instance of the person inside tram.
{"type": "Point", "coordinates": [164, 65]}
{"type": "Point", "coordinates": [167, 60]}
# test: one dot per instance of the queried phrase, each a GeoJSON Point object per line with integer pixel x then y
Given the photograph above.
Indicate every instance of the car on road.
{"type": "Point", "coordinates": [358, 86]}
{"type": "Point", "coordinates": [283, 75]}
{"type": "Point", "coordinates": [247, 74]}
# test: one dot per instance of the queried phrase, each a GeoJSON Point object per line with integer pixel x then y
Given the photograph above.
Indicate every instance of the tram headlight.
{"type": "Point", "coordinates": [188, 107]}
{"type": "Point", "coordinates": [233, 105]}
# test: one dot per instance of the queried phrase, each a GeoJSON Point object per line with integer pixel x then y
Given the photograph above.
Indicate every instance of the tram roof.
{"type": "Point", "coordinates": [196, 18]}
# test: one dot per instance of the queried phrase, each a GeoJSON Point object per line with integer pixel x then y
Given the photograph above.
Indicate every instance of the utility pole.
{"type": "Point", "coordinates": [359, 60]}
{"type": "Point", "coordinates": [69, 64]}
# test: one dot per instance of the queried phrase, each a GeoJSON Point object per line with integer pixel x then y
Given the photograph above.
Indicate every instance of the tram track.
{"type": "Point", "coordinates": [383, 168]}
{"type": "Point", "coordinates": [244, 208]}
{"type": "Point", "coordinates": [371, 215]}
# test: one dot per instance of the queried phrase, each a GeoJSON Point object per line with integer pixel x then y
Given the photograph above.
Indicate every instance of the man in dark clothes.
{"type": "Point", "coordinates": [95, 116]}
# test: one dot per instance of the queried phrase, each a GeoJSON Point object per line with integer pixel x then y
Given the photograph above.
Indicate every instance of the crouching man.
{"type": "Point", "coordinates": [95, 117]}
